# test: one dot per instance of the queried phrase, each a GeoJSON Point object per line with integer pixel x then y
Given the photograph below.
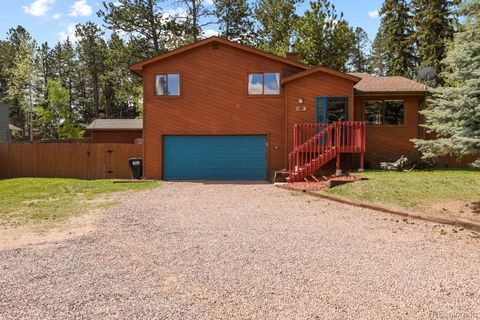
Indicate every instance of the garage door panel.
{"type": "Point", "coordinates": [215, 158]}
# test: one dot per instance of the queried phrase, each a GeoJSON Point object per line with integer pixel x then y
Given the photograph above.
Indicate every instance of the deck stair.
{"type": "Point", "coordinates": [317, 144]}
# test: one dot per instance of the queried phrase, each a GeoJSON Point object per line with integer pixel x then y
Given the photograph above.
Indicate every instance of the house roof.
{"type": "Point", "coordinates": [116, 124]}
{"type": "Point", "coordinates": [393, 84]}
{"type": "Point", "coordinates": [321, 69]}
{"type": "Point", "coordinates": [138, 67]}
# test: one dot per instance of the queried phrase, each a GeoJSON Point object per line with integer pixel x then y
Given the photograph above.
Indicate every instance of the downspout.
{"type": "Point", "coordinates": [285, 158]}
{"type": "Point", "coordinates": [421, 130]}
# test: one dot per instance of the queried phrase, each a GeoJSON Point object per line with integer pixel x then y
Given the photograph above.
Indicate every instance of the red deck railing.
{"type": "Point", "coordinates": [316, 144]}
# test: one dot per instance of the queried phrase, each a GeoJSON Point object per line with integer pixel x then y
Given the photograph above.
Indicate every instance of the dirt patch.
{"type": "Point", "coordinates": [45, 233]}
{"type": "Point", "coordinates": [455, 208]}
{"type": "Point", "coordinates": [13, 238]}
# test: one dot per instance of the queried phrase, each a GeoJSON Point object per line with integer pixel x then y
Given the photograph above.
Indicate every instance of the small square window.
{"type": "Point", "coordinates": [264, 83]}
{"type": "Point", "coordinates": [167, 84]}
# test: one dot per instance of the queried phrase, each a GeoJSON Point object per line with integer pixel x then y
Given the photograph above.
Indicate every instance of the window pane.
{"type": "Point", "coordinates": [174, 84]}
{"type": "Point", "coordinates": [374, 112]}
{"type": "Point", "coordinates": [255, 83]}
{"type": "Point", "coordinates": [336, 109]}
{"type": "Point", "coordinates": [161, 85]}
{"type": "Point", "coordinates": [272, 83]}
{"type": "Point", "coordinates": [393, 112]}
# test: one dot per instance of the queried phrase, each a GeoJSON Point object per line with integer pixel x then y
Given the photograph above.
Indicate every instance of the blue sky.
{"type": "Point", "coordinates": [54, 20]}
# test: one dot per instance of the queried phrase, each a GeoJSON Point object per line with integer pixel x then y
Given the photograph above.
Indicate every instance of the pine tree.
{"type": "Point", "coordinates": [453, 112]}
{"type": "Point", "coordinates": [359, 60]}
{"type": "Point", "coordinates": [277, 20]}
{"type": "Point", "coordinates": [435, 22]}
{"type": "Point", "coordinates": [234, 20]}
{"type": "Point", "coordinates": [23, 79]}
{"type": "Point", "coordinates": [143, 21]}
{"type": "Point", "coordinates": [196, 17]}
{"type": "Point", "coordinates": [91, 51]}
{"type": "Point", "coordinates": [121, 89]}
{"type": "Point", "coordinates": [378, 59]}
{"type": "Point", "coordinates": [397, 32]}
{"type": "Point", "coordinates": [324, 38]}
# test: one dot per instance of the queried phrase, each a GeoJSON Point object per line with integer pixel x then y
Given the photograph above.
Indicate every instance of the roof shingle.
{"type": "Point", "coordinates": [392, 84]}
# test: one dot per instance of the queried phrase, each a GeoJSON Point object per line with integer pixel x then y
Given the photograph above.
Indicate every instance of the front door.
{"type": "Point", "coordinates": [331, 109]}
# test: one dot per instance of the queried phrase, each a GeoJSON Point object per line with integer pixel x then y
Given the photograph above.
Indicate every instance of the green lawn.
{"type": "Point", "coordinates": [452, 192]}
{"type": "Point", "coordinates": [34, 200]}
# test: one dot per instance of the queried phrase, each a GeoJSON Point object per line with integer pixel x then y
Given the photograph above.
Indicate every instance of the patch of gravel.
{"type": "Point", "coordinates": [244, 251]}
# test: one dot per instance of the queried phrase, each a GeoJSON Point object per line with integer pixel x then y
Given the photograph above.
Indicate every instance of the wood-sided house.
{"type": "Point", "coordinates": [216, 109]}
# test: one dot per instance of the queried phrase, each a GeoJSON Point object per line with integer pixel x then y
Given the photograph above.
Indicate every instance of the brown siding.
{"type": "Point", "coordinates": [388, 142]}
{"type": "Point", "coordinates": [310, 87]}
{"type": "Point", "coordinates": [213, 101]}
{"type": "Point", "coordinates": [76, 160]}
{"type": "Point", "coordinates": [113, 136]}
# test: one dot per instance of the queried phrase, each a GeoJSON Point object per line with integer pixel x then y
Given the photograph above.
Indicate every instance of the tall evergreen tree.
{"type": "Point", "coordinates": [324, 37]}
{"type": "Point", "coordinates": [23, 79]}
{"type": "Point", "coordinates": [91, 51]}
{"type": "Point", "coordinates": [434, 22]}
{"type": "Point", "coordinates": [234, 20]}
{"type": "Point", "coordinates": [398, 36]}
{"type": "Point", "coordinates": [144, 22]}
{"type": "Point", "coordinates": [197, 14]}
{"type": "Point", "coordinates": [277, 20]}
{"type": "Point", "coordinates": [378, 59]}
{"type": "Point", "coordinates": [453, 112]}
{"type": "Point", "coordinates": [121, 89]}
{"type": "Point", "coordinates": [359, 60]}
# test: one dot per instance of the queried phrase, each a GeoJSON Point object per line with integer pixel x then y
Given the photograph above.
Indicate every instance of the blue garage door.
{"type": "Point", "coordinates": [214, 158]}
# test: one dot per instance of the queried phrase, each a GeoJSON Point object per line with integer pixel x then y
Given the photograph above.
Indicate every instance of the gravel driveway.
{"type": "Point", "coordinates": [243, 251]}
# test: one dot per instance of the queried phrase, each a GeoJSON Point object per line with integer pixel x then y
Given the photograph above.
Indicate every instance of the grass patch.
{"type": "Point", "coordinates": [417, 190]}
{"type": "Point", "coordinates": [34, 200]}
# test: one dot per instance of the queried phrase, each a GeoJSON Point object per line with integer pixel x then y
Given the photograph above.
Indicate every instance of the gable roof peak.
{"type": "Point", "coordinates": [138, 67]}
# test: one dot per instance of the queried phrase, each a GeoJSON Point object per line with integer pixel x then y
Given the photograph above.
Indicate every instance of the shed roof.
{"type": "Point", "coordinates": [391, 84]}
{"type": "Point", "coordinates": [116, 124]}
{"type": "Point", "coordinates": [13, 127]}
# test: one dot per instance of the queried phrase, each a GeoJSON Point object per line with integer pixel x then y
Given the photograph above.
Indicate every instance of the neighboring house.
{"type": "Point", "coordinates": [216, 109]}
{"type": "Point", "coordinates": [114, 130]}
{"type": "Point", "coordinates": [5, 134]}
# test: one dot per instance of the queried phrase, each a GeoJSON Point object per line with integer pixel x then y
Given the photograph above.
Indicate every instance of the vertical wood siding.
{"type": "Point", "coordinates": [78, 160]}
{"type": "Point", "coordinates": [213, 101]}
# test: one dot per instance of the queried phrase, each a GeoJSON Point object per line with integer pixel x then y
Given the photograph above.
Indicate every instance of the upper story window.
{"type": "Point", "coordinates": [264, 83]}
{"type": "Point", "coordinates": [167, 84]}
{"type": "Point", "coordinates": [389, 112]}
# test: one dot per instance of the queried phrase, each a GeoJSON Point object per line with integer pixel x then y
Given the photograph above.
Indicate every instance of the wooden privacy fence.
{"type": "Point", "coordinates": [62, 160]}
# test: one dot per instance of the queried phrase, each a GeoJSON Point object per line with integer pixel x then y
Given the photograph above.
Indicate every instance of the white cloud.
{"type": "Point", "coordinates": [68, 33]}
{"type": "Point", "coordinates": [38, 8]}
{"type": "Point", "coordinates": [80, 8]}
{"type": "Point", "coordinates": [374, 14]}
{"type": "Point", "coordinates": [56, 16]}
{"type": "Point", "coordinates": [209, 2]}
{"type": "Point", "coordinates": [117, 4]}
{"type": "Point", "coordinates": [210, 33]}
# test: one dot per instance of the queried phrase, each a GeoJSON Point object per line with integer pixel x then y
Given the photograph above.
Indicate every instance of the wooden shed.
{"type": "Point", "coordinates": [114, 131]}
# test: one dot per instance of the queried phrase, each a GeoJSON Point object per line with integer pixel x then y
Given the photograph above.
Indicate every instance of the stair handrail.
{"type": "Point", "coordinates": [307, 146]}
